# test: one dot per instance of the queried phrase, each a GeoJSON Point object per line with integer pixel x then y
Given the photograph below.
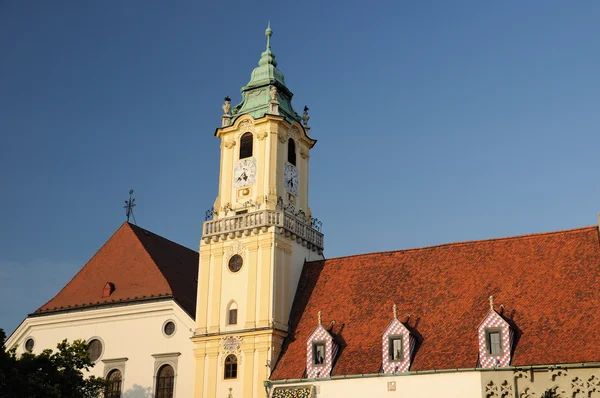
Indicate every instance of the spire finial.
{"type": "Point", "coordinates": [319, 315]}
{"type": "Point", "coordinates": [267, 57]}
{"type": "Point", "coordinates": [269, 33]}
{"type": "Point", "coordinates": [394, 309]}
{"type": "Point", "coordinates": [491, 303]}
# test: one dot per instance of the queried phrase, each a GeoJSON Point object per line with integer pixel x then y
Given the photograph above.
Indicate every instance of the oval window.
{"type": "Point", "coordinates": [95, 349]}
{"type": "Point", "coordinates": [235, 263]}
{"type": "Point", "coordinates": [169, 328]}
{"type": "Point", "coordinates": [29, 344]}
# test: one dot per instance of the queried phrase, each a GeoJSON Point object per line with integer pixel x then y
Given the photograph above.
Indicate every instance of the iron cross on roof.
{"type": "Point", "coordinates": [129, 205]}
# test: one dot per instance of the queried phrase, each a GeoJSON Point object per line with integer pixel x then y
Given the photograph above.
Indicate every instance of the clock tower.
{"type": "Point", "coordinates": [262, 231]}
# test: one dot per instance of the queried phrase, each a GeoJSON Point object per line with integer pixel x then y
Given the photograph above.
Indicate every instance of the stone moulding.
{"type": "Point", "coordinates": [260, 221]}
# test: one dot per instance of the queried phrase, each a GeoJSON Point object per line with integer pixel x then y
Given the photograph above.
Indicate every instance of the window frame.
{"type": "Point", "coordinates": [291, 150]}
{"type": "Point", "coordinates": [110, 384]}
{"type": "Point", "coordinates": [246, 146]}
{"type": "Point", "coordinates": [170, 358]}
{"type": "Point", "coordinates": [240, 266]}
{"type": "Point", "coordinates": [315, 345]}
{"type": "Point", "coordinates": [234, 312]}
{"type": "Point", "coordinates": [157, 391]}
{"type": "Point", "coordinates": [488, 342]}
{"type": "Point", "coordinates": [391, 339]}
{"type": "Point", "coordinates": [230, 367]}
{"type": "Point", "coordinates": [164, 328]}
{"type": "Point", "coordinates": [102, 347]}
{"type": "Point", "coordinates": [27, 340]}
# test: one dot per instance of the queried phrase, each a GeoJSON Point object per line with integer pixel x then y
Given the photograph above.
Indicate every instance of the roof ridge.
{"type": "Point", "coordinates": [81, 269]}
{"type": "Point", "coordinates": [463, 243]}
{"type": "Point", "coordinates": [159, 236]}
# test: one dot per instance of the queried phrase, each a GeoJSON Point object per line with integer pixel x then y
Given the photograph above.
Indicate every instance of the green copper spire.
{"type": "Point", "coordinates": [256, 95]}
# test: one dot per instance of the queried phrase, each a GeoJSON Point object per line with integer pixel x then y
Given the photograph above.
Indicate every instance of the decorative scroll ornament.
{"type": "Point", "coordinates": [261, 135]}
{"type": "Point", "coordinates": [294, 132]}
{"type": "Point", "coordinates": [593, 384]}
{"type": "Point", "coordinates": [283, 136]}
{"type": "Point", "coordinates": [231, 345]}
{"type": "Point", "coordinates": [303, 153]}
{"type": "Point", "coordinates": [503, 390]}
{"type": "Point", "coordinates": [521, 374]}
{"type": "Point", "coordinates": [229, 144]}
{"type": "Point", "coordinates": [236, 248]}
{"type": "Point", "coordinates": [557, 372]}
{"type": "Point", "coordinates": [527, 393]}
{"type": "Point", "coordinates": [246, 125]}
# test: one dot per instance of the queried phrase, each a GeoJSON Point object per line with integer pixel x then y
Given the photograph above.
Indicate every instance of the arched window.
{"type": "Point", "coordinates": [231, 367]}
{"type": "Point", "coordinates": [292, 151]}
{"type": "Point", "coordinates": [246, 146]}
{"type": "Point", "coordinates": [113, 384]}
{"type": "Point", "coordinates": [165, 382]}
{"type": "Point", "coordinates": [232, 314]}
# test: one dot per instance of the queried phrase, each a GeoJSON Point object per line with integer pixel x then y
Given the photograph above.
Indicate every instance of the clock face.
{"type": "Point", "coordinates": [244, 173]}
{"type": "Point", "coordinates": [290, 178]}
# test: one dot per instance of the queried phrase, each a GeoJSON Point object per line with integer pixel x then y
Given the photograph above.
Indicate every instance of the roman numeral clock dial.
{"type": "Point", "coordinates": [244, 173]}
{"type": "Point", "coordinates": [290, 176]}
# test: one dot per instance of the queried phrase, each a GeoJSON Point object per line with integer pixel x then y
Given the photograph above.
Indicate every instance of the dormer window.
{"type": "Point", "coordinates": [291, 152]}
{"type": "Point", "coordinates": [319, 353]}
{"type": "Point", "coordinates": [321, 350]}
{"type": "Point", "coordinates": [395, 348]}
{"type": "Point", "coordinates": [246, 143]}
{"type": "Point", "coordinates": [109, 288]}
{"type": "Point", "coordinates": [493, 338]}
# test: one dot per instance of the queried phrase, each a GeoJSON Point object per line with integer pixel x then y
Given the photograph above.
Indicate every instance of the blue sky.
{"type": "Point", "coordinates": [437, 121]}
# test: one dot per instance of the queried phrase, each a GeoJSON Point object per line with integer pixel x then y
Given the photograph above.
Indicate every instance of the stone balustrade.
{"type": "Point", "coordinates": [254, 222]}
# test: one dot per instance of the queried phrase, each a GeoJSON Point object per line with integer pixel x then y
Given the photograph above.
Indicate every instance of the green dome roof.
{"type": "Point", "coordinates": [255, 94]}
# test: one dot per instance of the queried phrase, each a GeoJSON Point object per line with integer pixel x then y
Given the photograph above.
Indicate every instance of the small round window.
{"type": "Point", "coordinates": [95, 349]}
{"type": "Point", "coordinates": [29, 344]}
{"type": "Point", "coordinates": [169, 328]}
{"type": "Point", "coordinates": [235, 263]}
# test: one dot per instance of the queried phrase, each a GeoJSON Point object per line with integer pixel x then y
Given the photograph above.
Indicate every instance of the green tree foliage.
{"type": "Point", "coordinates": [49, 374]}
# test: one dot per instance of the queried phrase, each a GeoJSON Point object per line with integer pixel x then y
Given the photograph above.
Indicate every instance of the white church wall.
{"type": "Point", "coordinates": [133, 332]}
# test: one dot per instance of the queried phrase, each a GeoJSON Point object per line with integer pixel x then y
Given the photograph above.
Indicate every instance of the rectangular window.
{"type": "Point", "coordinates": [318, 353]}
{"type": "Point", "coordinates": [233, 316]}
{"type": "Point", "coordinates": [494, 342]}
{"type": "Point", "coordinates": [395, 347]}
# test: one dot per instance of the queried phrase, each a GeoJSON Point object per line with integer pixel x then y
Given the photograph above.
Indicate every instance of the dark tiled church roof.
{"type": "Point", "coordinates": [548, 285]}
{"type": "Point", "coordinates": [141, 266]}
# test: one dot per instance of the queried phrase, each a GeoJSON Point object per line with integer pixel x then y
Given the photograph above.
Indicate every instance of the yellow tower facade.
{"type": "Point", "coordinates": [261, 233]}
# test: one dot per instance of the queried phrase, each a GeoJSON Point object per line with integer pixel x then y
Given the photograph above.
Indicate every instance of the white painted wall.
{"type": "Point", "coordinates": [131, 331]}
{"type": "Point", "coordinates": [446, 385]}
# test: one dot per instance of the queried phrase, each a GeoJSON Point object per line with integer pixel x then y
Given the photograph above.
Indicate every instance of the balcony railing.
{"type": "Point", "coordinates": [284, 222]}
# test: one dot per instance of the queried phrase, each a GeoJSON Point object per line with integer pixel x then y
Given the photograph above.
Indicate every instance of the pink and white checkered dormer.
{"type": "Point", "coordinates": [495, 338]}
{"type": "Point", "coordinates": [320, 352]}
{"type": "Point", "coordinates": [397, 346]}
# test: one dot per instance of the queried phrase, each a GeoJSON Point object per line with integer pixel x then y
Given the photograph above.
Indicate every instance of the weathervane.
{"type": "Point", "coordinates": [129, 205]}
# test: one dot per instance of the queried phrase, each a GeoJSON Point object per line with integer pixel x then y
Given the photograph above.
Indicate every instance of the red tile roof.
{"type": "Point", "coordinates": [141, 265]}
{"type": "Point", "coordinates": [547, 283]}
